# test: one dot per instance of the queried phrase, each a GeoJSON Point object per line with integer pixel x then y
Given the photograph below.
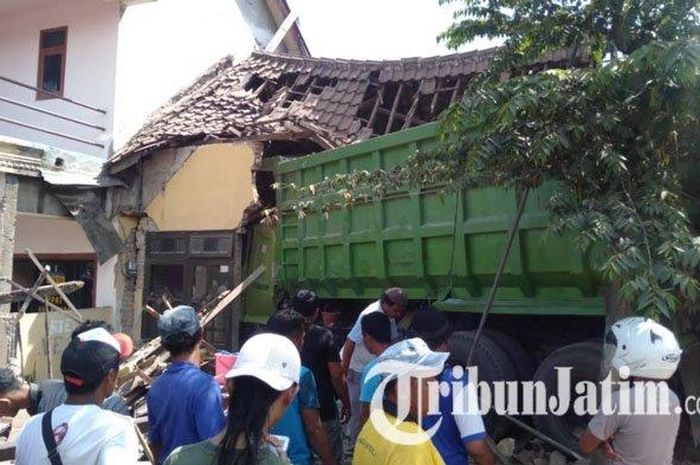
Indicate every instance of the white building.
{"type": "Point", "coordinates": [70, 48]}
{"type": "Point", "coordinates": [61, 65]}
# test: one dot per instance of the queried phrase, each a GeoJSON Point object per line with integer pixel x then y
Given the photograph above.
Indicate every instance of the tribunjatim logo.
{"type": "Point", "coordinates": [417, 392]}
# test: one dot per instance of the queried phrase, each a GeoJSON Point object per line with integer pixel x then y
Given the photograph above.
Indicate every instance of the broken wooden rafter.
{"type": "Point", "coordinates": [377, 102]}
{"type": "Point", "coordinates": [151, 311]}
{"type": "Point", "coordinates": [20, 294]}
{"type": "Point", "coordinates": [233, 294]}
{"type": "Point", "coordinates": [412, 110]}
{"type": "Point", "coordinates": [394, 105]}
{"type": "Point", "coordinates": [51, 281]}
{"type": "Point", "coordinates": [456, 90]}
{"type": "Point", "coordinates": [146, 362]}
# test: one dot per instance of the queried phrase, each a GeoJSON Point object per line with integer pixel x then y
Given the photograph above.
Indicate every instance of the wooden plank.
{"type": "Point", "coordinates": [152, 311]}
{"type": "Point", "coordinates": [233, 295]}
{"type": "Point", "coordinates": [392, 115]}
{"type": "Point", "coordinates": [412, 110]}
{"type": "Point", "coordinates": [53, 283]}
{"type": "Point", "coordinates": [377, 102]}
{"type": "Point", "coordinates": [209, 346]}
{"type": "Point", "coordinates": [32, 290]}
{"type": "Point", "coordinates": [22, 293]}
{"type": "Point", "coordinates": [144, 445]}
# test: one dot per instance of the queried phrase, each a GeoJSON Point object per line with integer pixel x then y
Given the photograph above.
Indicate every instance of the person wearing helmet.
{"type": "Point", "coordinates": [648, 354]}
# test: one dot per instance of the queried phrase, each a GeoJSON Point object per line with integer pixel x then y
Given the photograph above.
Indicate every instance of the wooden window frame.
{"type": "Point", "coordinates": [63, 49]}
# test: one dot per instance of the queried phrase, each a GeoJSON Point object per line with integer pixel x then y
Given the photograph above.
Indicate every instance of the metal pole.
{"type": "Point", "coordinates": [499, 272]}
{"type": "Point", "coordinates": [49, 366]}
{"type": "Point", "coordinates": [504, 258]}
{"type": "Point", "coordinates": [52, 94]}
{"type": "Point", "coordinates": [286, 25]}
{"type": "Point", "coordinates": [51, 113]}
{"type": "Point", "coordinates": [48, 131]}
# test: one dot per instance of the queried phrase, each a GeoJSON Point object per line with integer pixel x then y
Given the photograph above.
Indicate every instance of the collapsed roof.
{"type": "Point", "coordinates": [330, 102]}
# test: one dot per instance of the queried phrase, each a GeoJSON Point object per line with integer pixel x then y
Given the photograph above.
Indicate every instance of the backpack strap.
{"type": "Point", "coordinates": [49, 439]}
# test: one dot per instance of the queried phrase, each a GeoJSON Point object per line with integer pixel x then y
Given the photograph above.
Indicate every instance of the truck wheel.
{"type": "Point", "coordinates": [585, 359]}
{"type": "Point", "coordinates": [522, 361]}
{"type": "Point", "coordinates": [494, 365]}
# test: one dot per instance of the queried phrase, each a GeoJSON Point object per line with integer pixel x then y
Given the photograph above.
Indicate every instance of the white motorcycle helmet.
{"type": "Point", "coordinates": [644, 347]}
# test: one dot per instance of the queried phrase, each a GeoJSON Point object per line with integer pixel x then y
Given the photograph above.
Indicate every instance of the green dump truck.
{"type": "Point", "coordinates": [444, 248]}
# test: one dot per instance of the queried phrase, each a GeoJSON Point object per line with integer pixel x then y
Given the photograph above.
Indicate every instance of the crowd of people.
{"type": "Point", "coordinates": [294, 398]}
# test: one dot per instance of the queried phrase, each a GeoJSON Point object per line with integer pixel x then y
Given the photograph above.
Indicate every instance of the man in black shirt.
{"type": "Point", "coordinates": [320, 355]}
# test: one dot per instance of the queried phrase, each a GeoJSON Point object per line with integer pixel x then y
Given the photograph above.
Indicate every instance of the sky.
{"type": "Point", "coordinates": [165, 45]}
{"type": "Point", "coordinates": [376, 29]}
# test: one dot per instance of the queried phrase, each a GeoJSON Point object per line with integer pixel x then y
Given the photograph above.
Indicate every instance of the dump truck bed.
{"type": "Point", "coordinates": [438, 245]}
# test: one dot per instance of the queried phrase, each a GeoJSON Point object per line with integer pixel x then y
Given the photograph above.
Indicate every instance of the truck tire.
{"type": "Point", "coordinates": [494, 365]}
{"type": "Point", "coordinates": [585, 359]}
{"type": "Point", "coordinates": [522, 361]}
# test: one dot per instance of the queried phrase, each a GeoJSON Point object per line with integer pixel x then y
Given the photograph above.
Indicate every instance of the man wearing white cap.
{"type": "Point", "coordinates": [262, 384]}
{"type": "Point", "coordinates": [392, 436]}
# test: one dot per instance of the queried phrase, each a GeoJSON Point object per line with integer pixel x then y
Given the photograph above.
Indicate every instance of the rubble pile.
{"type": "Point", "coordinates": [533, 452]}
{"type": "Point", "coordinates": [137, 372]}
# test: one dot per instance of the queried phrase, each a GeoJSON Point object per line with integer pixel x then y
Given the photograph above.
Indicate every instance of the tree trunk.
{"type": "Point", "coordinates": [615, 309]}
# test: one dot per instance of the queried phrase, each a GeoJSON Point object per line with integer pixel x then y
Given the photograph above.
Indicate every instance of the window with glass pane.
{"type": "Point", "coordinates": [52, 62]}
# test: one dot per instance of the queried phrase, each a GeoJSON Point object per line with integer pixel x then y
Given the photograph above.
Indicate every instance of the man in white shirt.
{"type": "Point", "coordinates": [393, 303]}
{"type": "Point", "coordinates": [80, 432]}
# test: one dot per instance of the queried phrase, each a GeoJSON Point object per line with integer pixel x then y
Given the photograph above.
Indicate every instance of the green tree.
{"type": "Point", "coordinates": [617, 130]}
{"type": "Point", "coordinates": [616, 135]}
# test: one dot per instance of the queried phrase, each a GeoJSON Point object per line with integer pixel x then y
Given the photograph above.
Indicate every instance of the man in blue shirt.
{"type": "Point", "coordinates": [461, 435]}
{"type": "Point", "coordinates": [376, 336]}
{"type": "Point", "coordinates": [301, 422]}
{"type": "Point", "coordinates": [184, 403]}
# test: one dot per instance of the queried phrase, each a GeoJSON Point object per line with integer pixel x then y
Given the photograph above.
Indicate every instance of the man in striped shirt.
{"type": "Point", "coordinates": [17, 394]}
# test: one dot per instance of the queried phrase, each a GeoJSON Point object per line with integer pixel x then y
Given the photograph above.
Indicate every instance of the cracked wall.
{"type": "Point", "coordinates": [187, 189]}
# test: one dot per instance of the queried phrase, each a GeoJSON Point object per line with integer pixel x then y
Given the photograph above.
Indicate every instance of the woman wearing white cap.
{"type": "Point", "coordinates": [262, 384]}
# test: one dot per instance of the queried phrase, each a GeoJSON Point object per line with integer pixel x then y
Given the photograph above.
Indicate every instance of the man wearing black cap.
{"type": "Point", "coordinates": [80, 432]}
{"type": "Point", "coordinates": [184, 403]}
{"type": "Point", "coordinates": [16, 393]}
{"type": "Point", "coordinates": [460, 436]}
{"type": "Point", "coordinates": [393, 303]}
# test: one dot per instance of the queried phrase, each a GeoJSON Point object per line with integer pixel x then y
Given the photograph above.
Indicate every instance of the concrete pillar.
{"type": "Point", "coordinates": [8, 215]}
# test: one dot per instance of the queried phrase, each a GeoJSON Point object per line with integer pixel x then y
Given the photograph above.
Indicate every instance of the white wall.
{"type": "Point", "coordinates": [164, 46]}
{"type": "Point", "coordinates": [45, 234]}
{"type": "Point", "coordinates": [89, 72]}
{"type": "Point", "coordinates": [105, 289]}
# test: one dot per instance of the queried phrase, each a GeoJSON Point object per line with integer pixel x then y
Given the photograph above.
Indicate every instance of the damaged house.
{"type": "Point", "coordinates": [200, 171]}
{"type": "Point", "coordinates": [65, 91]}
